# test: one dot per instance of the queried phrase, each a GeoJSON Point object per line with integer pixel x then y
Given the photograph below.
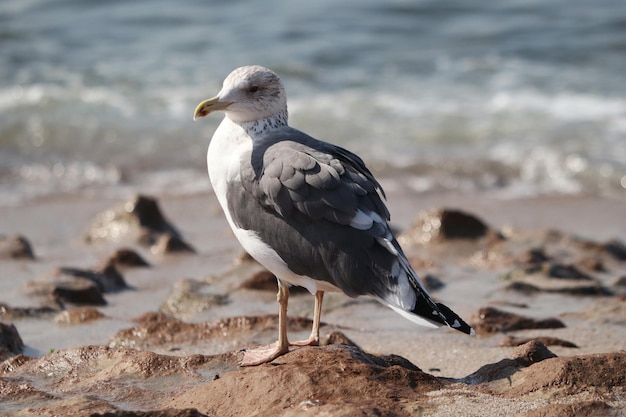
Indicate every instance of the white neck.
{"type": "Point", "coordinates": [255, 127]}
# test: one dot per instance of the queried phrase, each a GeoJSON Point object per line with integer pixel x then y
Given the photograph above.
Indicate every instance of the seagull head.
{"type": "Point", "coordinates": [249, 93]}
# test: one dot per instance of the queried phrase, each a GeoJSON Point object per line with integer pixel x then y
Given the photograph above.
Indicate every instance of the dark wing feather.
{"type": "Point", "coordinates": [320, 180]}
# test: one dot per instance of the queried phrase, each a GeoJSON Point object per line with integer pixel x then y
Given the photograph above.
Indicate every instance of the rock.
{"type": "Point", "coordinates": [531, 352]}
{"type": "Point", "coordinates": [10, 341]}
{"type": "Point", "coordinates": [594, 289]}
{"type": "Point", "coordinates": [15, 247]}
{"type": "Point", "coordinates": [189, 297]}
{"type": "Point", "coordinates": [444, 224]}
{"type": "Point", "coordinates": [168, 412]}
{"type": "Point", "coordinates": [335, 380]}
{"type": "Point", "coordinates": [523, 356]}
{"type": "Point", "coordinates": [125, 258]}
{"type": "Point", "coordinates": [570, 375]}
{"type": "Point", "coordinates": [157, 329]}
{"type": "Point", "coordinates": [523, 287]}
{"type": "Point", "coordinates": [546, 340]}
{"type": "Point", "coordinates": [534, 256]}
{"type": "Point", "coordinates": [432, 283]}
{"type": "Point", "coordinates": [332, 380]}
{"type": "Point", "coordinates": [589, 290]}
{"type": "Point", "coordinates": [8, 313]}
{"type": "Point", "coordinates": [578, 409]}
{"type": "Point", "coordinates": [338, 338]}
{"type": "Point", "coordinates": [616, 249]}
{"type": "Point", "coordinates": [243, 257]}
{"type": "Point", "coordinates": [107, 278]}
{"type": "Point", "coordinates": [557, 270]}
{"type": "Point", "coordinates": [491, 320]}
{"type": "Point", "coordinates": [97, 380]}
{"type": "Point", "coordinates": [139, 219]}
{"type": "Point", "coordinates": [78, 316]}
{"type": "Point", "coordinates": [603, 311]}
{"type": "Point", "coordinates": [264, 280]}
{"type": "Point", "coordinates": [12, 363]}
{"type": "Point", "coordinates": [533, 369]}
{"type": "Point", "coordinates": [79, 292]}
{"type": "Point", "coordinates": [168, 243]}
{"type": "Point", "coordinates": [593, 264]}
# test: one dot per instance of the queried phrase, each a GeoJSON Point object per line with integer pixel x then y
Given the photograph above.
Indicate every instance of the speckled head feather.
{"type": "Point", "coordinates": [255, 92]}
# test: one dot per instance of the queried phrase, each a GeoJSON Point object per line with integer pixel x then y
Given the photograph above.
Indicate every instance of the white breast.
{"type": "Point", "coordinates": [229, 142]}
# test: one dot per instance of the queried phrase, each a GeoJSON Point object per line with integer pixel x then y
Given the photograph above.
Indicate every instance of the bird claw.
{"type": "Point", "coordinates": [262, 354]}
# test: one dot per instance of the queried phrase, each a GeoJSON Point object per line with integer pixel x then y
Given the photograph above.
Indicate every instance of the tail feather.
{"type": "Point", "coordinates": [424, 310]}
{"type": "Point", "coordinates": [453, 320]}
{"type": "Point", "coordinates": [428, 309]}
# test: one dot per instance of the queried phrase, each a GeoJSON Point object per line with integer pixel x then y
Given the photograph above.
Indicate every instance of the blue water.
{"type": "Point", "coordinates": [525, 97]}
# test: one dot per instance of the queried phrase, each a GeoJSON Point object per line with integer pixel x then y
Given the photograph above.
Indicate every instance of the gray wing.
{"type": "Point", "coordinates": [320, 208]}
{"type": "Point", "coordinates": [315, 179]}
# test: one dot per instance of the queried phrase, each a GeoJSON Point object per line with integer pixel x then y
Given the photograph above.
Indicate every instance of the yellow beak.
{"type": "Point", "coordinates": [209, 106]}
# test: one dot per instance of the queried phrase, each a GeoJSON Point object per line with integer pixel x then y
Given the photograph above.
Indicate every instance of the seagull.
{"type": "Point", "coordinates": [309, 211]}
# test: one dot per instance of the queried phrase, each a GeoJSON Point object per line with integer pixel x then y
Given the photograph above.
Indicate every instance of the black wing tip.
{"type": "Point", "coordinates": [453, 320]}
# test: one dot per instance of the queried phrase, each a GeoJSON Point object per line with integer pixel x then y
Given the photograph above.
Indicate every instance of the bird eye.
{"type": "Point", "coordinates": [253, 89]}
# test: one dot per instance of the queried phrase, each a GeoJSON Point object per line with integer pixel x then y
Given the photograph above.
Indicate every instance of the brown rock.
{"type": "Point", "coordinates": [168, 412]}
{"type": "Point", "coordinates": [78, 316]}
{"type": "Point", "coordinates": [594, 289]}
{"type": "Point", "coordinates": [569, 375]}
{"type": "Point", "coordinates": [610, 310]}
{"type": "Point", "coordinates": [106, 278]}
{"type": "Point", "coordinates": [534, 256]}
{"type": "Point", "coordinates": [12, 363]}
{"type": "Point", "coordinates": [557, 270]}
{"type": "Point", "coordinates": [442, 224]}
{"type": "Point", "coordinates": [168, 243]}
{"type": "Point", "coordinates": [8, 313]}
{"type": "Point", "coordinates": [546, 340]}
{"type": "Point", "coordinates": [125, 258]}
{"type": "Point", "coordinates": [333, 380]}
{"type": "Point", "coordinates": [264, 280]}
{"type": "Point", "coordinates": [616, 249]}
{"type": "Point", "coordinates": [491, 320]}
{"type": "Point", "coordinates": [139, 219]}
{"type": "Point", "coordinates": [578, 409]}
{"type": "Point", "coordinates": [583, 290]}
{"type": "Point", "coordinates": [10, 341]}
{"type": "Point", "coordinates": [338, 338]}
{"type": "Point", "coordinates": [593, 264]}
{"type": "Point", "coordinates": [79, 292]}
{"type": "Point", "coordinates": [523, 356]}
{"type": "Point", "coordinates": [523, 287]}
{"type": "Point", "coordinates": [190, 297]}
{"type": "Point", "coordinates": [15, 247]}
{"type": "Point", "coordinates": [432, 283]}
{"type": "Point", "coordinates": [94, 379]}
{"type": "Point", "coordinates": [156, 329]}
{"type": "Point", "coordinates": [531, 352]}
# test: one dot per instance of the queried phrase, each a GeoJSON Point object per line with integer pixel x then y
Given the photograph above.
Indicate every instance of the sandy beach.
{"type": "Point", "coordinates": [196, 308]}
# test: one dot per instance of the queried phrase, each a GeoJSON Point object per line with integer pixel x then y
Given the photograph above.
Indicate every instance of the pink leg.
{"type": "Point", "coordinates": [268, 353]}
{"type": "Point", "coordinates": [314, 339]}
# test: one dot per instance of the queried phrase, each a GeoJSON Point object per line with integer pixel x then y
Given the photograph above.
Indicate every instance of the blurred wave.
{"type": "Point", "coordinates": [524, 97]}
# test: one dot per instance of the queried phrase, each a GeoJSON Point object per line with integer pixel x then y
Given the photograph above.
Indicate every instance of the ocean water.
{"type": "Point", "coordinates": [522, 97]}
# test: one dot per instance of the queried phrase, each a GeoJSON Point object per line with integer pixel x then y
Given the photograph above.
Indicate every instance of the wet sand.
{"type": "Point", "coordinates": [191, 311]}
